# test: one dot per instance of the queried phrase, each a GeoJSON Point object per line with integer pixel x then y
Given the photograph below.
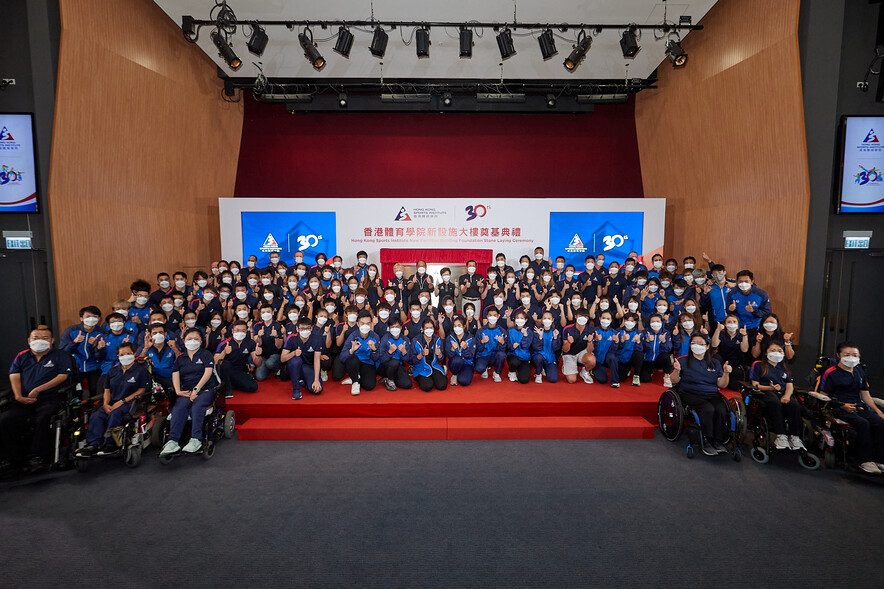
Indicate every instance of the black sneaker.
{"type": "Point", "coordinates": [296, 396]}
{"type": "Point", "coordinates": [389, 384]}
{"type": "Point", "coordinates": [709, 448]}
{"type": "Point", "coordinates": [719, 447]}
{"type": "Point", "coordinates": [229, 395]}
{"type": "Point", "coordinates": [88, 451]}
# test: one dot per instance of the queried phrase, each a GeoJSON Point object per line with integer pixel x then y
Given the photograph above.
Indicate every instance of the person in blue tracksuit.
{"type": "Point", "coordinates": [460, 349]}
{"type": "Point", "coordinates": [393, 351]}
{"type": "Point", "coordinates": [519, 339]}
{"type": "Point", "coordinates": [577, 347]}
{"type": "Point", "coordinates": [161, 352]}
{"type": "Point", "coordinates": [606, 345]}
{"type": "Point", "coordinates": [233, 356]}
{"type": "Point", "coordinates": [81, 341]}
{"type": "Point", "coordinates": [700, 376]}
{"type": "Point", "coordinates": [427, 358]}
{"type": "Point", "coordinates": [657, 350]}
{"type": "Point", "coordinates": [749, 302]}
{"type": "Point", "coordinates": [195, 386]}
{"type": "Point", "coordinates": [125, 382]}
{"type": "Point", "coordinates": [719, 293]}
{"type": "Point", "coordinates": [491, 346]}
{"type": "Point", "coordinates": [109, 342]}
{"type": "Point", "coordinates": [545, 345]}
{"type": "Point", "coordinates": [569, 284]}
{"type": "Point", "coordinates": [359, 355]}
{"type": "Point", "coordinates": [682, 333]}
{"type": "Point", "coordinates": [301, 356]}
{"type": "Point", "coordinates": [631, 352]}
{"type": "Point", "coordinates": [139, 311]}
{"type": "Point", "coordinates": [650, 295]}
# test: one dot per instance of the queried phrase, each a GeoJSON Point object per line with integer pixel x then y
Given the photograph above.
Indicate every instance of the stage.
{"type": "Point", "coordinates": [485, 410]}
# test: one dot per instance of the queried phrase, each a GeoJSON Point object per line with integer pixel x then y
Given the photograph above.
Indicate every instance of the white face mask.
{"type": "Point", "coordinates": [383, 314]}
{"type": "Point", "coordinates": [93, 321]}
{"type": "Point", "coordinates": [850, 361]}
{"type": "Point", "coordinates": [470, 312]}
{"type": "Point", "coordinates": [629, 324]}
{"type": "Point", "coordinates": [158, 338]}
{"type": "Point", "coordinates": [116, 326]}
{"type": "Point", "coordinates": [224, 295]}
{"type": "Point", "coordinates": [600, 262]}
{"type": "Point", "coordinates": [274, 260]}
{"type": "Point", "coordinates": [352, 317]}
{"type": "Point", "coordinates": [524, 265]}
{"type": "Point", "coordinates": [630, 267]}
{"type": "Point", "coordinates": [421, 270]}
{"type": "Point", "coordinates": [293, 286]}
{"type": "Point", "coordinates": [253, 282]}
{"type": "Point", "coordinates": [164, 284]}
{"type": "Point", "coordinates": [250, 264]}
{"type": "Point", "coordinates": [575, 302]}
{"type": "Point", "coordinates": [498, 302]}
{"type": "Point", "coordinates": [293, 317]}
{"type": "Point", "coordinates": [192, 344]}
{"type": "Point", "coordinates": [770, 327]}
{"type": "Point", "coordinates": [180, 284]}
{"type": "Point", "coordinates": [632, 306]}
{"type": "Point", "coordinates": [690, 308]}
{"type": "Point", "coordinates": [665, 283]}
{"type": "Point", "coordinates": [314, 285]}
{"type": "Point", "coordinates": [530, 275]}
{"type": "Point", "coordinates": [471, 269]}
{"type": "Point", "coordinates": [547, 278]}
{"type": "Point", "coordinates": [581, 320]}
{"type": "Point", "coordinates": [641, 281]}
{"type": "Point", "coordinates": [330, 309]}
{"type": "Point", "coordinates": [653, 288]}
{"type": "Point", "coordinates": [656, 325]}
{"type": "Point", "coordinates": [266, 316]}
{"type": "Point", "coordinates": [492, 277]}
{"type": "Point", "coordinates": [731, 327]}
{"type": "Point", "coordinates": [538, 257]}
{"type": "Point", "coordinates": [613, 271]}
{"type": "Point", "coordinates": [688, 266]}
{"type": "Point", "coordinates": [700, 280]}
{"type": "Point", "coordinates": [300, 272]}
{"type": "Point", "coordinates": [268, 296]}
{"type": "Point", "coordinates": [688, 325]}
{"type": "Point", "coordinates": [526, 302]}
{"type": "Point", "coordinates": [604, 322]}
{"type": "Point", "coordinates": [281, 271]}
{"type": "Point", "coordinates": [336, 289]}
{"type": "Point", "coordinates": [209, 296]}
{"type": "Point", "coordinates": [554, 300]}
{"type": "Point", "coordinates": [424, 300]}
{"type": "Point", "coordinates": [428, 332]}
{"type": "Point", "coordinates": [449, 308]}
{"type": "Point", "coordinates": [360, 300]}
{"type": "Point", "coordinates": [321, 321]}
{"type": "Point", "coordinates": [511, 280]}
{"type": "Point", "coordinates": [670, 268]}
{"type": "Point", "coordinates": [202, 283]}
{"type": "Point", "coordinates": [141, 300]}
{"type": "Point", "coordinates": [547, 323]}
{"type": "Point", "coordinates": [234, 271]}
{"type": "Point", "coordinates": [604, 305]}
{"type": "Point", "coordinates": [658, 264]}
{"type": "Point", "coordinates": [458, 330]}
{"type": "Point", "coordinates": [364, 329]}
{"type": "Point", "coordinates": [326, 275]}
{"type": "Point", "coordinates": [242, 314]}
{"type": "Point", "coordinates": [189, 322]}
{"type": "Point", "coordinates": [389, 298]}
{"type": "Point", "coordinates": [399, 274]}
{"type": "Point", "coordinates": [560, 265]}
{"type": "Point", "coordinates": [501, 263]}
{"type": "Point", "coordinates": [446, 278]}
{"type": "Point", "coordinates": [698, 349]}
{"type": "Point", "coordinates": [239, 335]}
{"type": "Point", "coordinates": [662, 309]}
{"type": "Point", "coordinates": [678, 291]}
{"type": "Point", "coordinates": [126, 359]}
{"type": "Point", "coordinates": [265, 281]}
{"type": "Point", "coordinates": [395, 331]}
{"type": "Point", "coordinates": [415, 315]}
{"type": "Point", "coordinates": [520, 322]}
{"type": "Point", "coordinates": [320, 262]}
{"type": "Point", "coordinates": [492, 320]}
{"type": "Point", "coordinates": [744, 286]}
{"type": "Point", "coordinates": [775, 357]}
{"type": "Point", "coordinates": [215, 323]}
{"type": "Point", "coordinates": [361, 260]}
{"type": "Point", "coordinates": [39, 345]}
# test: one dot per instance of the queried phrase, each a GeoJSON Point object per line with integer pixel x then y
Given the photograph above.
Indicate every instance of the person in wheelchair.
{"type": "Point", "coordinates": [195, 388]}
{"type": "Point", "coordinates": [37, 376]}
{"type": "Point", "coordinates": [126, 381]}
{"type": "Point", "coordinates": [773, 379]}
{"type": "Point", "coordinates": [161, 353]}
{"type": "Point", "coordinates": [846, 384]}
{"type": "Point", "coordinates": [700, 376]}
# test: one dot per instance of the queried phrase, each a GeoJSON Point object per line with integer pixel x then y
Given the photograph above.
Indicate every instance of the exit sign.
{"type": "Point", "coordinates": [18, 243]}
{"type": "Point", "coordinates": [857, 243]}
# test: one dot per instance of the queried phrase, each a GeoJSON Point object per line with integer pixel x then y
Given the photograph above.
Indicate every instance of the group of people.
{"type": "Point", "coordinates": [606, 323]}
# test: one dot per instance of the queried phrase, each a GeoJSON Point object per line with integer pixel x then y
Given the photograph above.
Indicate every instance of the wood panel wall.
{"type": "Point", "coordinates": [143, 147]}
{"type": "Point", "coordinates": [722, 139]}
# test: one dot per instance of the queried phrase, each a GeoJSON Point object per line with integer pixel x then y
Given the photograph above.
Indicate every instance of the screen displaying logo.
{"type": "Point", "coordinates": [18, 180]}
{"type": "Point", "coordinates": [5, 135]}
{"type": "Point", "coordinates": [871, 137]}
{"type": "Point", "coordinates": [577, 235]}
{"type": "Point", "coordinates": [475, 211]}
{"type": "Point", "coordinates": [866, 176]}
{"type": "Point", "coordinates": [8, 175]}
{"type": "Point", "coordinates": [265, 233]}
{"type": "Point", "coordinates": [402, 215]}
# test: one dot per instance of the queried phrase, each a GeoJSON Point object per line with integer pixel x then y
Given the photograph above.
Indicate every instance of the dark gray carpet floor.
{"type": "Point", "coordinates": [444, 514]}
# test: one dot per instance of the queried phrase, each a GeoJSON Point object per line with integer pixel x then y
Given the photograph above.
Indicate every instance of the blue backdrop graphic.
{"type": "Point", "coordinates": [288, 232]}
{"type": "Point", "coordinates": [577, 235]}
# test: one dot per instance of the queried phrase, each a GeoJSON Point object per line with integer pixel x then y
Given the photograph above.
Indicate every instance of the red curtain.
{"type": "Point", "coordinates": [390, 256]}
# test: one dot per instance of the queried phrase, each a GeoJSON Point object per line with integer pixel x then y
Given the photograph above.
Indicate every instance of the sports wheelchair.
{"type": "Point", "coordinates": [674, 416]}
{"type": "Point", "coordinates": [832, 437]}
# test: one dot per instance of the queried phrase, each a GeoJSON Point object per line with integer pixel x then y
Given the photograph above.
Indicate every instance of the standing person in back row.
{"type": "Point", "coordinates": [749, 303]}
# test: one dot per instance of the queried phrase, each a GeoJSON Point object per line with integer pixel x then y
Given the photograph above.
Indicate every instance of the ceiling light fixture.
{"type": "Point", "coordinates": [547, 44]}
{"type": "Point", "coordinates": [344, 42]}
{"type": "Point", "coordinates": [226, 51]}
{"type": "Point", "coordinates": [505, 43]}
{"type": "Point", "coordinates": [378, 42]}
{"type": "Point", "coordinates": [578, 52]}
{"type": "Point", "coordinates": [311, 52]}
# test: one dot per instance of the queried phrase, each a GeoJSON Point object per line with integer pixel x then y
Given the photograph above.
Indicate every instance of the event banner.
{"type": "Point", "coordinates": [18, 178]}
{"type": "Point", "coordinates": [573, 228]}
{"type": "Point", "coordinates": [862, 183]}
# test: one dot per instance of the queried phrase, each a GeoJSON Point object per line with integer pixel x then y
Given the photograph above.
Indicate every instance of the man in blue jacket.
{"type": "Point", "coordinates": [81, 341]}
{"type": "Point", "coordinates": [749, 302]}
{"type": "Point", "coordinates": [359, 355]}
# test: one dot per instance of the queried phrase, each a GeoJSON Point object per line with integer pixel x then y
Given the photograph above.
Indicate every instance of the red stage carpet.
{"type": "Point", "coordinates": [485, 410]}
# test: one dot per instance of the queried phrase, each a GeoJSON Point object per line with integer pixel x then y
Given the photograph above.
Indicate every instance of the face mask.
{"type": "Point", "coordinates": [330, 309]}
{"type": "Point", "coordinates": [180, 284]}
{"type": "Point", "coordinates": [300, 272]}
{"type": "Point", "coordinates": [569, 274]}
{"type": "Point", "coordinates": [266, 316]}
{"type": "Point", "coordinates": [93, 321]}
{"type": "Point", "coordinates": [351, 317]}
{"type": "Point", "coordinates": [471, 269]}
{"type": "Point", "coordinates": [164, 284]}
{"type": "Point", "coordinates": [268, 296]}
{"type": "Point", "coordinates": [530, 275]}
{"type": "Point", "coordinates": [361, 260]}
{"type": "Point", "coordinates": [449, 308]}
{"type": "Point", "coordinates": [299, 259]}
{"type": "Point", "coordinates": [656, 325]}
{"type": "Point", "coordinates": [326, 275]}
{"type": "Point", "coordinates": [274, 260]}
{"type": "Point", "coordinates": [208, 297]}
{"type": "Point", "coordinates": [321, 320]}
{"type": "Point", "coordinates": [250, 264]}
{"type": "Point", "coordinates": [300, 303]}
{"type": "Point", "coordinates": [604, 305]}
{"type": "Point", "coordinates": [192, 344]}
{"type": "Point", "coordinates": [158, 338]}
{"type": "Point", "coordinates": [718, 276]}
{"type": "Point", "coordinates": [581, 320]}
{"type": "Point", "coordinates": [492, 320]}
{"type": "Point", "coordinates": [389, 298]}
{"type": "Point", "coordinates": [253, 282]}
{"type": "Point", "coordinates": [770, 327]}
{"type": "Point", "coordinates": [630, 267]}
{"type": "Point", "coordinates": [599, 263]}
{"type": "Point", "coordinates": [470, 312]}
{"type": "Point", "coordinates": [665, 283]}
{"type": "Point", "coordinates": [690, 309]}
{"type": "Point", "coordinates": [547, 278]}
{"type": "Point", "coordinates": [689, 278]}
{"type": "Point", "coordinates": [265, 281]}
{"type": "Point", "coordinates": [293, 317]}
{"type": "Point", "coordinates": [227, 280]}
{"type": "Point", "coordinates": [415, 315]}
{"type": "Point", "coordinates": [360, 300]}
{"type": "Point", "coordinates": [698, 349]}
{"type": "Point", "coordinates": [575, 302]}
{"type": "Point", "coordinates": [642, 281]}
{"type": "Point", "coordinates": [215, 323]}
{"type": "Point", "coordinates": [524, 265]}
{"type": "Point", "coordinates": [653, 288]}
{"type": "Point", "coordinates": [688, 266]}
{"type": "Point", "coordinates": [424, 300]}
{"type": "Point", "coordinates": [280, 271]}
{"type": "Point", "coordinates": [700, 280]}
{"type": "Point", "coordinates": [511, 280]}
{"type": "Point", "coordinates": [421, 270]}
{"type": "Point", "coordinates": [560, 265]}
{"type": "Point", "coordinates": [239, 335]}
{"type": "Point", "coordinates": [116, 326]}
{"type": "Point", "coordinates": [336, 289]}
{"type": "Point", "coordinates": [629, 324]}
{"type": "Point", "coordinates": [658, 264]}
{"type": "Point", "coordinates": [538, 257]}
{"type": "Point", "coordinates": [613, 271]}
{"type": "Point", "coordinates": [498, 302]}
{"type": "Point", "coordinates": [731, 327]}
{"type": "Point", "coordinates": [775, 357]}
{"type": "Point", "coordinates": [383, 314]}
{"type": "Point", "coordinates": [320, 261]}
{"type": "Point", "coordinates": [458, 331]}
{"type": "Point", "coordinates": [372, 273]}
{"type": "Point", "coordinates": [304, 333]}
{"type": "Point", "coordinates": [202, 283]}
{"type": "Point", "coordinates": [491, 277]}
{"type": "Point", "coordinates": [353, 287]}
{"type": "Point", "coordinates": [554, 300]}
{"type": "Point", "coordinates": [364, 329]}
{"type": "Point", "coordinates": [688, 325]}
{"type": "Point", "coordinates": [670, 268]}
{"type": "Point", "coordinates": [850, 361]}
{"type": "Point", "coordinates": [428, 332]}
{"type": "Point", "coordinates": [242, 314]}
{"type": "Point", "coordinates": [547, 323]}
{"type": "Point", "coordinates": [314, 285]}
{"type": "Point", "coordinates": [337, 265]}
{"type": "Point", "coordinates": [399, 274]}
{"type": "Point", "coordinates": [501, 263]}
{"type": "Point", "coordinates": [293, 286]}
{"type": "Point", "coordinates": [744, 286]}
{"type": "Point", "coordinates": [126, 359]}
{"type": "Point", "coordinates": [446, 278]}
{"type": "Point", "coordinates": [604, 322]}
{"type": "Point", "coordinates": [39, 345]}
{"type": "Point", "coordinates": [662, 309]}
{"type": "Point", "coordinates": [526, 302]}
{"type": "Point", "coordinates": [395, 331]}
{"type": "Point", "coordinates": [678, 291]}
{"type": "Point", "coordinates": [632, 306]}
{"type": "Point", "coordinates": [520, 322]}
{"type": "Point", "coordinates": [234, 271]}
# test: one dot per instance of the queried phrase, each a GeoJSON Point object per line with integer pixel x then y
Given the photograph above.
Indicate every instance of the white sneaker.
{"type": "Point", "coordinates": [586, 376]}
{"type": "Point", "coordinates": [781, 442]}
{"type": "Point", "coordinates": [615, 385]}
{"type": "Point", "coordinates": [538, 379]}
{"type": "Point", "coordinates": [347, 380]}
{"type": "Point", "coordinates": [323, 375]}
{"type": "Point", "coordinates": [880, 466]}
{"type": "Point", "coordinates": [636, 381]}
{"type": "Point", "coordinates": [512, 376]}
{"type": "Point", "coordinates": [453, 381]}
{"type": "Point", "coordinates": [354, 389]}
{"type": "Point", "coordinates": [170, 448]}
{"type": "Point", "coordinates": [485, 374]}
{"type": "Point", "coordinates": [496, 377]}
{"type": "Point", "coordinates": [192, 446]}
{"type": "Point", "coordinates": [667, 382]}
{"type": "Point", "coordinates": [796, 443]}
{"type": "Point", "coordinates": [870, 467]}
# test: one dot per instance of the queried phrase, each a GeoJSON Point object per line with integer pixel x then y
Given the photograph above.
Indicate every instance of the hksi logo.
{"type": "Point", "coordinates": [402, 215]}
{"type": "Point", "coordinates": [308, 241]}
{"type": "Point", "coordinates": [476, 211]}
{"type": "Point", "coordinates": [871, 137]}
{"type": "Point", "coordinates": [270, 245]}
{"type": "Point", "coordinates": [612, 241]}
{"type": "Point", "coordinates": [5, 135]}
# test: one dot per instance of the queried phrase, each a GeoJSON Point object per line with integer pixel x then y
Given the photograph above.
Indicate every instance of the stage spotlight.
{"type": "Point", "coordinates": [310, 50]}
{"type": "Point", "coordinates": [578, 52]}
{"type": "Point", "coordinates": [547, 44]}
{"type": "Point", "coordinates": [551, 100]}
{"type": "Point", "coordinates": [258, 41]}
{"type": "Point", "coordinates": [446, 98]}
{"type": "Point", "coordinates": [378, 42]}
{"type": "Point", "coordinates": [342, 100]}
{"type": "Point", "coordinates": [344, 42]}
{"type": "Point", "coordinates": [423, 42]}
{"type": "Point", "coordinates": [676, 54]}
{"type": "Point", "coordinates": [505, 43]}
{"type": "Point", "coordinates": [629, 43]}
{"type": "Point", "coordinates": [226, 51]}
{"type": "Point", "coordinates": [466, 42]}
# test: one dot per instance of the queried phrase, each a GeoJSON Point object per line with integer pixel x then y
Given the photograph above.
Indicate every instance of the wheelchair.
{"type": "Point", "coordinates": [832, 437]}
{"type": "Point", "coordinates": [674, 417]}
{"type": "Point", "coordinates": [757, 423]}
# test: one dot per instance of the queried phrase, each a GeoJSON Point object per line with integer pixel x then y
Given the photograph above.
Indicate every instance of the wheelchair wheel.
{"type": "Point", "coordinates": [157, 431]}
{"type": "Point", "coordinates": [209, 450]}
{"type": "Point", "coordinates": [167, 459]}
{"type": "Point", "coordinates": [809, 461]}
{"type": "Point", "coordinates": [133, 456]}
{"type": "Point", "coordinates": [737, 453]}
{"type": "Point", "coordinates": [738, 407]}
{"type": "Point", "coordinates": [829, 458]}
{"type": "Point", "coordinates": [670, 415]}
{"type": "Point", "coordinates": [760, 455]}
{"type": "Point", "coordinates": [229, 424]}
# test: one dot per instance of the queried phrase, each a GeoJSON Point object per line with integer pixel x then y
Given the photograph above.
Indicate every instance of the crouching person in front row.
{"type": "Point", "coordinates": [195, 392]}
{"type": "Point", "coordinates": [359, 355]}
{"type": "Point", "coordinates": [301, 356]}
{"type": "Point", "coordinates": [233, 357]}
{"type": "Point", "coordinates": [392, 355]}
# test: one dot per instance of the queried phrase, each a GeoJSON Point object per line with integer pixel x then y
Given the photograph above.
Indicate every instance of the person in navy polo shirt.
{"type": "Point", "coordinates": [577, 348]}
{"type": "Point", "coordinates": [847, 385]}
{"type": "Point", "coordinates": [125, 382]}
{"type": "Point", "coordinates": [36, 375]}
{"type": "Point", "coordinates": [772, 377]}
{"type": "Point", "coordinates": [232, 357]}
{"type": "Point", "coordinates": [195, 388]}
{"type": "Point", "coordinates": [301, 356]}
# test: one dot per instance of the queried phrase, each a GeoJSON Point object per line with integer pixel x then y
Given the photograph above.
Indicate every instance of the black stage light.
{"type": "Point", "coordinates": [551, 100]}
{"type": "Point", "coordinates": [378, 42]}
{"type": "Point", "coordinates": [629, 43]}
{"type": "Point", "coordinates": [344, 42]}
{"type": "Point", "coordinates": [310, 51]}
{"type": "Point", "coordinates": [187, 26]}
{"type": "Point", "coordinates": [226, 51]}
{"type": "Point", "coordinates": [258, 40]}
{"type": "Point", "coordinates": [423, 42]}
{"type": "Point", "coordinates": [446, 98]}
{"type": "Point", "coordinates": [547, 44]}
{"type": "Point", "coordinates": [342, 100]}
{"type": "Point", "coordinates": [466, 42]}
{"type": "Point", "coordinates": [676, 54]}
{"type": "Point", "coordinates": [578, 52]}
{"type": "Point", "coordinates": [505, 44]}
